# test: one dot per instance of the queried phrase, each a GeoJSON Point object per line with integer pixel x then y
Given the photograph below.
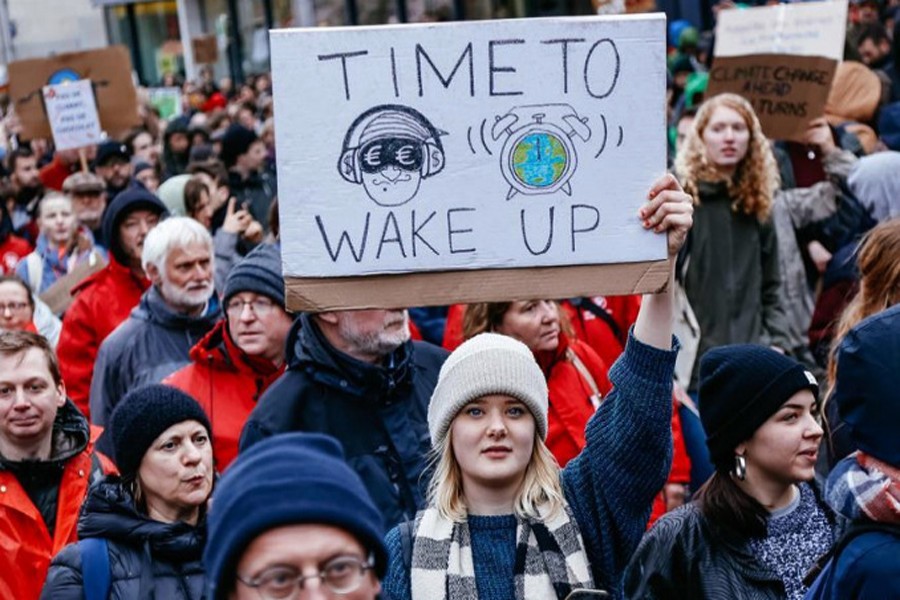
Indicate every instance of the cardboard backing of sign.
{"type": "Point", "coordinates": [206, 50]}
{"type": "Point", "coordinates": [110, 71]}
{"type": "Point", "coordinates": [438, 288]}
{"type": "Point", "coordinates": [786, 91]}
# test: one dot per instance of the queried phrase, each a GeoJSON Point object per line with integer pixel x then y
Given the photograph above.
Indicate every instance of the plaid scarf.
{"type": "Point", "coordinates": [550, 558]}
{"type": "Point", "coordinates": [864, 487]}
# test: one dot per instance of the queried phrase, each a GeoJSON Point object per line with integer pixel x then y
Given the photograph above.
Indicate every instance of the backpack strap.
{"type": "Point", "coordinates": [406, 543]}
{"type": "Point", "coordinates": [95, 568]}
{"type": "Point", "coordinates": [592, 307]}
{"type": "Point", "coordinates": [596, 396]}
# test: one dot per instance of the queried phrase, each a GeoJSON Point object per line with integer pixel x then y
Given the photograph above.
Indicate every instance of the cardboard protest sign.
{"type": "Point", "coordinates": [72, 113]}
{"type": "Point", "coordinates": [109, 71]}
{"type": "Point", "coordinates": [782, 59]}
{"type": "Point", "coordinates": [167, 101]}
{"type": "Point", "coordinates": [206, 49]}
{"type": "Point", "coordinates": [469, 161]}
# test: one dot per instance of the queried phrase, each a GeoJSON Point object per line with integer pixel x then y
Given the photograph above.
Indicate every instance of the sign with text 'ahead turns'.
{"type": "Point", "coordinates": [440, 163]}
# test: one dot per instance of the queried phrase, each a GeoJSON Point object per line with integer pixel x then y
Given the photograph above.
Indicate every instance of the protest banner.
{"type": "Point", "coordinates": [72, 113]}
{"type": "Point", "coordinates": [439, 163]}
{"type": "Point", "coordinates": [109, 71]}
{"type": "Point", "coordinates": [167, 101]}
{"type": "Point", "coordinates": [782, 59]}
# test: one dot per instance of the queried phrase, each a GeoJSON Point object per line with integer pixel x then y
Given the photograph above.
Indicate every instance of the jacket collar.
{"type": "Point", "coordinates": [154, 308]}
{"type": "Point", "coordinates": [218, 350]}
{"type": "Point", "coordinates": [71, 435]}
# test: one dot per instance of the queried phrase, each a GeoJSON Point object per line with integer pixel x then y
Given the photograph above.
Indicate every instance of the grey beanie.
{"type": "Point", "coordinates": [259, 272]}
{"type": "Point", "coordinates": [489, 363]}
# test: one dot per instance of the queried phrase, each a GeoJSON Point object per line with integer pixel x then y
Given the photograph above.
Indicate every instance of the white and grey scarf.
{"type": "Point", "coordinates": [550, 558]}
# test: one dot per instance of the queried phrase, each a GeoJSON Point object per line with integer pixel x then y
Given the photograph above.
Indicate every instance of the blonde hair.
{"type": "Point", "coordinates": [540, 487]}
{"type": "Point", "coordinates": [756, 178]}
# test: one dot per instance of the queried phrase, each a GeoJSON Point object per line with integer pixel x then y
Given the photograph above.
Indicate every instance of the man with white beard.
{"type": "Point", "coordinates": [356, 376]}
{"type": "Point", "coordinates": [178, 309]}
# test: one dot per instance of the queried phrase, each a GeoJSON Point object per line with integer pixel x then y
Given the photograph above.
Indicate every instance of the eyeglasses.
{"type": "Point", "coordinates": [13, 307]}
{"type": "Point", "coordinates": [260, 307]}
{"type": "Point", "coordinates": [342, 576]}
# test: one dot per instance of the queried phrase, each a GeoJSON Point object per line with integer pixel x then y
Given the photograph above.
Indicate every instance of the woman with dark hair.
{"type": "Point", "coordinates": [757, 526]}
{"type": "Point", "coordinates": [151, 519]}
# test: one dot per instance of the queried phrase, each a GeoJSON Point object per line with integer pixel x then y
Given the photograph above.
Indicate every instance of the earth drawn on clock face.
{"type": "Point", "coordinates": [539, 159]}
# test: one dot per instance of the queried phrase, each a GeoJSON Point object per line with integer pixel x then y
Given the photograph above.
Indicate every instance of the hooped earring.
{"type": "Point", "coordinates": [740, 467]}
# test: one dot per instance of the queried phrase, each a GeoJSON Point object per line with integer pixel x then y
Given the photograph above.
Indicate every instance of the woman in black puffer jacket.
{"type": "Point", "coordinates": [152, 518]}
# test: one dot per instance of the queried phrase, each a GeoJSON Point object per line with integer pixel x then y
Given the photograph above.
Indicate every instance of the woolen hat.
{"type": "Point", "coordinates": [288, 479]}
{"type": "Point", "coordinates": [741, 386]}
{"type": "Point", "coordinates": [259, 272]}
{"type": "Point", "coordinates": [486, 364]}
{"type": "Point", "coordinates": [111, 149]}
{"type": "Point", "coordinates": [142, 415]}
{"type": "Point", "coordinates": [235, 142]}
{"type": "Point", "coordinates": [132, 198]}
{"type": "Point", "coordinates": [867, 380]}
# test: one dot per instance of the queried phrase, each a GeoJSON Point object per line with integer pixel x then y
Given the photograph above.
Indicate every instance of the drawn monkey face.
{"type": "Point", "coordinates": [392, 169]}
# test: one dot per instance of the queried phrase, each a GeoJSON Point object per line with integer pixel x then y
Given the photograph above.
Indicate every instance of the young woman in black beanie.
{"type": "Point", "coordinates": [757, 527]}
{"type": "Point", "coordinates": [144, 531]}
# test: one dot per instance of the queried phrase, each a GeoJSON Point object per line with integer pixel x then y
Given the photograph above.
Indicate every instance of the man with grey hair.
{"type": "Point", "coordinates": [178, 309]}
{"type": "Point", "coordinates": [356, 376]}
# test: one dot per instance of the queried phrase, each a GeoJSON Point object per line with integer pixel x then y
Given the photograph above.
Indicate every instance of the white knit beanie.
{"type": "Point", "coordinates": [487, 364]}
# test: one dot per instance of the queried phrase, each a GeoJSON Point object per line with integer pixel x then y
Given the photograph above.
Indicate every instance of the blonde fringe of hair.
{"type": "Point", "coordinates": [541, 486]}
{"type": "Point", "coordinates": [879, 285]}
{"type": "Point", "coordinates": [756, 178]}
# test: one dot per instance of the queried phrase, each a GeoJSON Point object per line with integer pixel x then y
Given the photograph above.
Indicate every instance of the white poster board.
{"type": "Point", "coordinates": [464, 146]}
{"type": "Point", "coordinates": [72, 113]}
{"type": "Point", "coordinates": [800, 29]}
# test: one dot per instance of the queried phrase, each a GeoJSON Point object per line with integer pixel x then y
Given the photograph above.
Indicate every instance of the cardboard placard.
{"type": "Point", "coordinates": [108, 69]}
{"type": "Point", "coordinates": [72, 112]}
{"type": "Point", "coordinates": [786, 93]}
{"type": "Point", "coordinates": [459, 162]}
{"type": "Point", "coordinates": [167, 101]}
{"type": "Point", "coordinates": [206, 49]}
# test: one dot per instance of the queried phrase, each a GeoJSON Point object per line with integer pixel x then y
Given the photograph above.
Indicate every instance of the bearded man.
{"type": "Point", "coordinates": [176, 311]}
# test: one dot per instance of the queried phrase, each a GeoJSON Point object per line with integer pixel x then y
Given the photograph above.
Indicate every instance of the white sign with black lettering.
{"type": "Point", "coordinates": [72, 112]}
{"type": "Point", "coordinates": [477, 145]}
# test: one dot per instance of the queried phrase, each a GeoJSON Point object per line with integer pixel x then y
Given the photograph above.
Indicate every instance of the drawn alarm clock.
{"type": "Point", "coordinates": [539, 156]}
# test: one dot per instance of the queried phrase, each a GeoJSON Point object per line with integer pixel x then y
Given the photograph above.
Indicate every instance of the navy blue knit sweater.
{"type": "Point", "coordinates": [610, 486]}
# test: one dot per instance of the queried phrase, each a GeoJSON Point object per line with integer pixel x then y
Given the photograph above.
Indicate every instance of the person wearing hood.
{"type": "Point", "coordinates": [865, 487]}
{"type": "Point", "coordinates": [106, 298]}
{"type": "Point", "coordinates": [176, 148]}
{"type": "Point", "coordinates": [47, 461]}
{"type": "Point", "coordinates": [175, 313]}
{"type": "Point", "coordinates": [149, 521]}
{"type": "Point", "coordinates": [874, 181]}
{"type": "Point", "coordinates": [355, 375]}
{"type": "Point", "coordinates": [244, 353]}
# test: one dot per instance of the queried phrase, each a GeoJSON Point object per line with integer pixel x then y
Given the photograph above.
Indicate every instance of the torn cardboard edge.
{"type": "Point", "coordinates": [438, 288]}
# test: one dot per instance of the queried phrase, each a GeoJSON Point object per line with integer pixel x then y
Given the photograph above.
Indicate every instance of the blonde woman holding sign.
{"type": "Point", "coordinates": [502, 520]}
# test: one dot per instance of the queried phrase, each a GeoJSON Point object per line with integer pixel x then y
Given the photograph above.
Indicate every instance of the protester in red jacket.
{"type": "Point", "coordinates": [576, 376]}
{"type": "Point", "coordinates": [106, 298]}
{"type": "Point", "coordinates": [602, 322]}
{"type": "Point", "coordinates": [235, 362]}
{"type": "Point", "coordinates": [47, 462]}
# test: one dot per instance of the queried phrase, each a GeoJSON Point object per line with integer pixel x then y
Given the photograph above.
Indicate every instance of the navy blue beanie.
{"type": "Point", "coordinates": [259, 272]}
{"type": "Point", "coordinates": [142, 415]}
{"type": "Point", "coordinates": [288, 479]}
{"type": "Point", "coordinates": [867, 380]}
{"type": "Point", "coordinates": [135, 197]}
{"type": "Point", "coordinates": [741, 386]}
{"type": "Point", "coordinates": [236, 141]}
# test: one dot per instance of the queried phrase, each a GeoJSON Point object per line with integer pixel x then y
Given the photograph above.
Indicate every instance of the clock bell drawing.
{"type": "Point", "coordinates": [538, 154]}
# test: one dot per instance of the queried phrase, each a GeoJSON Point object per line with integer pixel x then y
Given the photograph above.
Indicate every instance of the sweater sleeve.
{"type": "Point", "coordinates": [774, 316]}
{"type": "Point", "coordinates": [611, 484]}
{"type": "Point", "coordinates": [396, 584]}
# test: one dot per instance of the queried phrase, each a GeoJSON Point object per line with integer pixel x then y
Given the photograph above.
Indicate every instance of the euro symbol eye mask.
{"type": "Point", "coordinates": [389, 150]}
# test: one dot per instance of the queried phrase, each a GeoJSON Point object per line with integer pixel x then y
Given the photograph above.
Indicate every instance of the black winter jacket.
{"type": "Point", "coordinates": [378, 413]}
{"type": "Point", "coordinates": [149, 560]}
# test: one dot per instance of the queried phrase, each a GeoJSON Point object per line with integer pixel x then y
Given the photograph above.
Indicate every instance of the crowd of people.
{"type": "Point", "coordinates": [169, 428]}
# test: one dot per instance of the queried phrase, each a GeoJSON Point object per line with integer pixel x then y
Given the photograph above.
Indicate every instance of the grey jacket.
{"type": "Point", "coordinates": [151, 344]}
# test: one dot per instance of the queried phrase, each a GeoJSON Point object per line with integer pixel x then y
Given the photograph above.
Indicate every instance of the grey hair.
{"type": "Point", "coordinates": [174, 232]}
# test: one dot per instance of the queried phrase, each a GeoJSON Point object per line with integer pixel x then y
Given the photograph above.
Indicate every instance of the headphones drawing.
{"type": "Point", "coordinates": [432, 150]}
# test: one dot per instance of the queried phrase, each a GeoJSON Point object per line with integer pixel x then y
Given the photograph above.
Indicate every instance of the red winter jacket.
{"type": "Point", "coordinates": [227, 383]}
{"type": "Point", "coordinates": [12, 250]}
{"type": "Point", "coordinates": [570, 395]}
{"type": "Point", "coordinates": [25, 544]}
{"type": "Point", "coordinates": [596, 332]}
{"type": "Point", "coordinates": [102, 302]}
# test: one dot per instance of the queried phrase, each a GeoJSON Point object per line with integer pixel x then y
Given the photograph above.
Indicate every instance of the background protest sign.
{"type": "Point", "coordinates": [782, 59]}
{"type": "Point", "coordinates": [72, 113]}
{"type": "Point", "coordinates": [109, 71]}
{"type": "Point", "coordinates": [167, 101]}
{"type": "Point", "coordinates": [440, 151]}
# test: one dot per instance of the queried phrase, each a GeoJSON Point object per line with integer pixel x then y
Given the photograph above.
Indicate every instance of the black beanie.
{"type": "Point", "coordinates": [142, 415]}
{"type": "Point", "coordinates": [135, 197]}
{"type": "Point", "coordinates": [741, 386]}
{"type": "Point", "coordinates": [235, 142]}
{"type": "Point", "coordinates": [259, 272]}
